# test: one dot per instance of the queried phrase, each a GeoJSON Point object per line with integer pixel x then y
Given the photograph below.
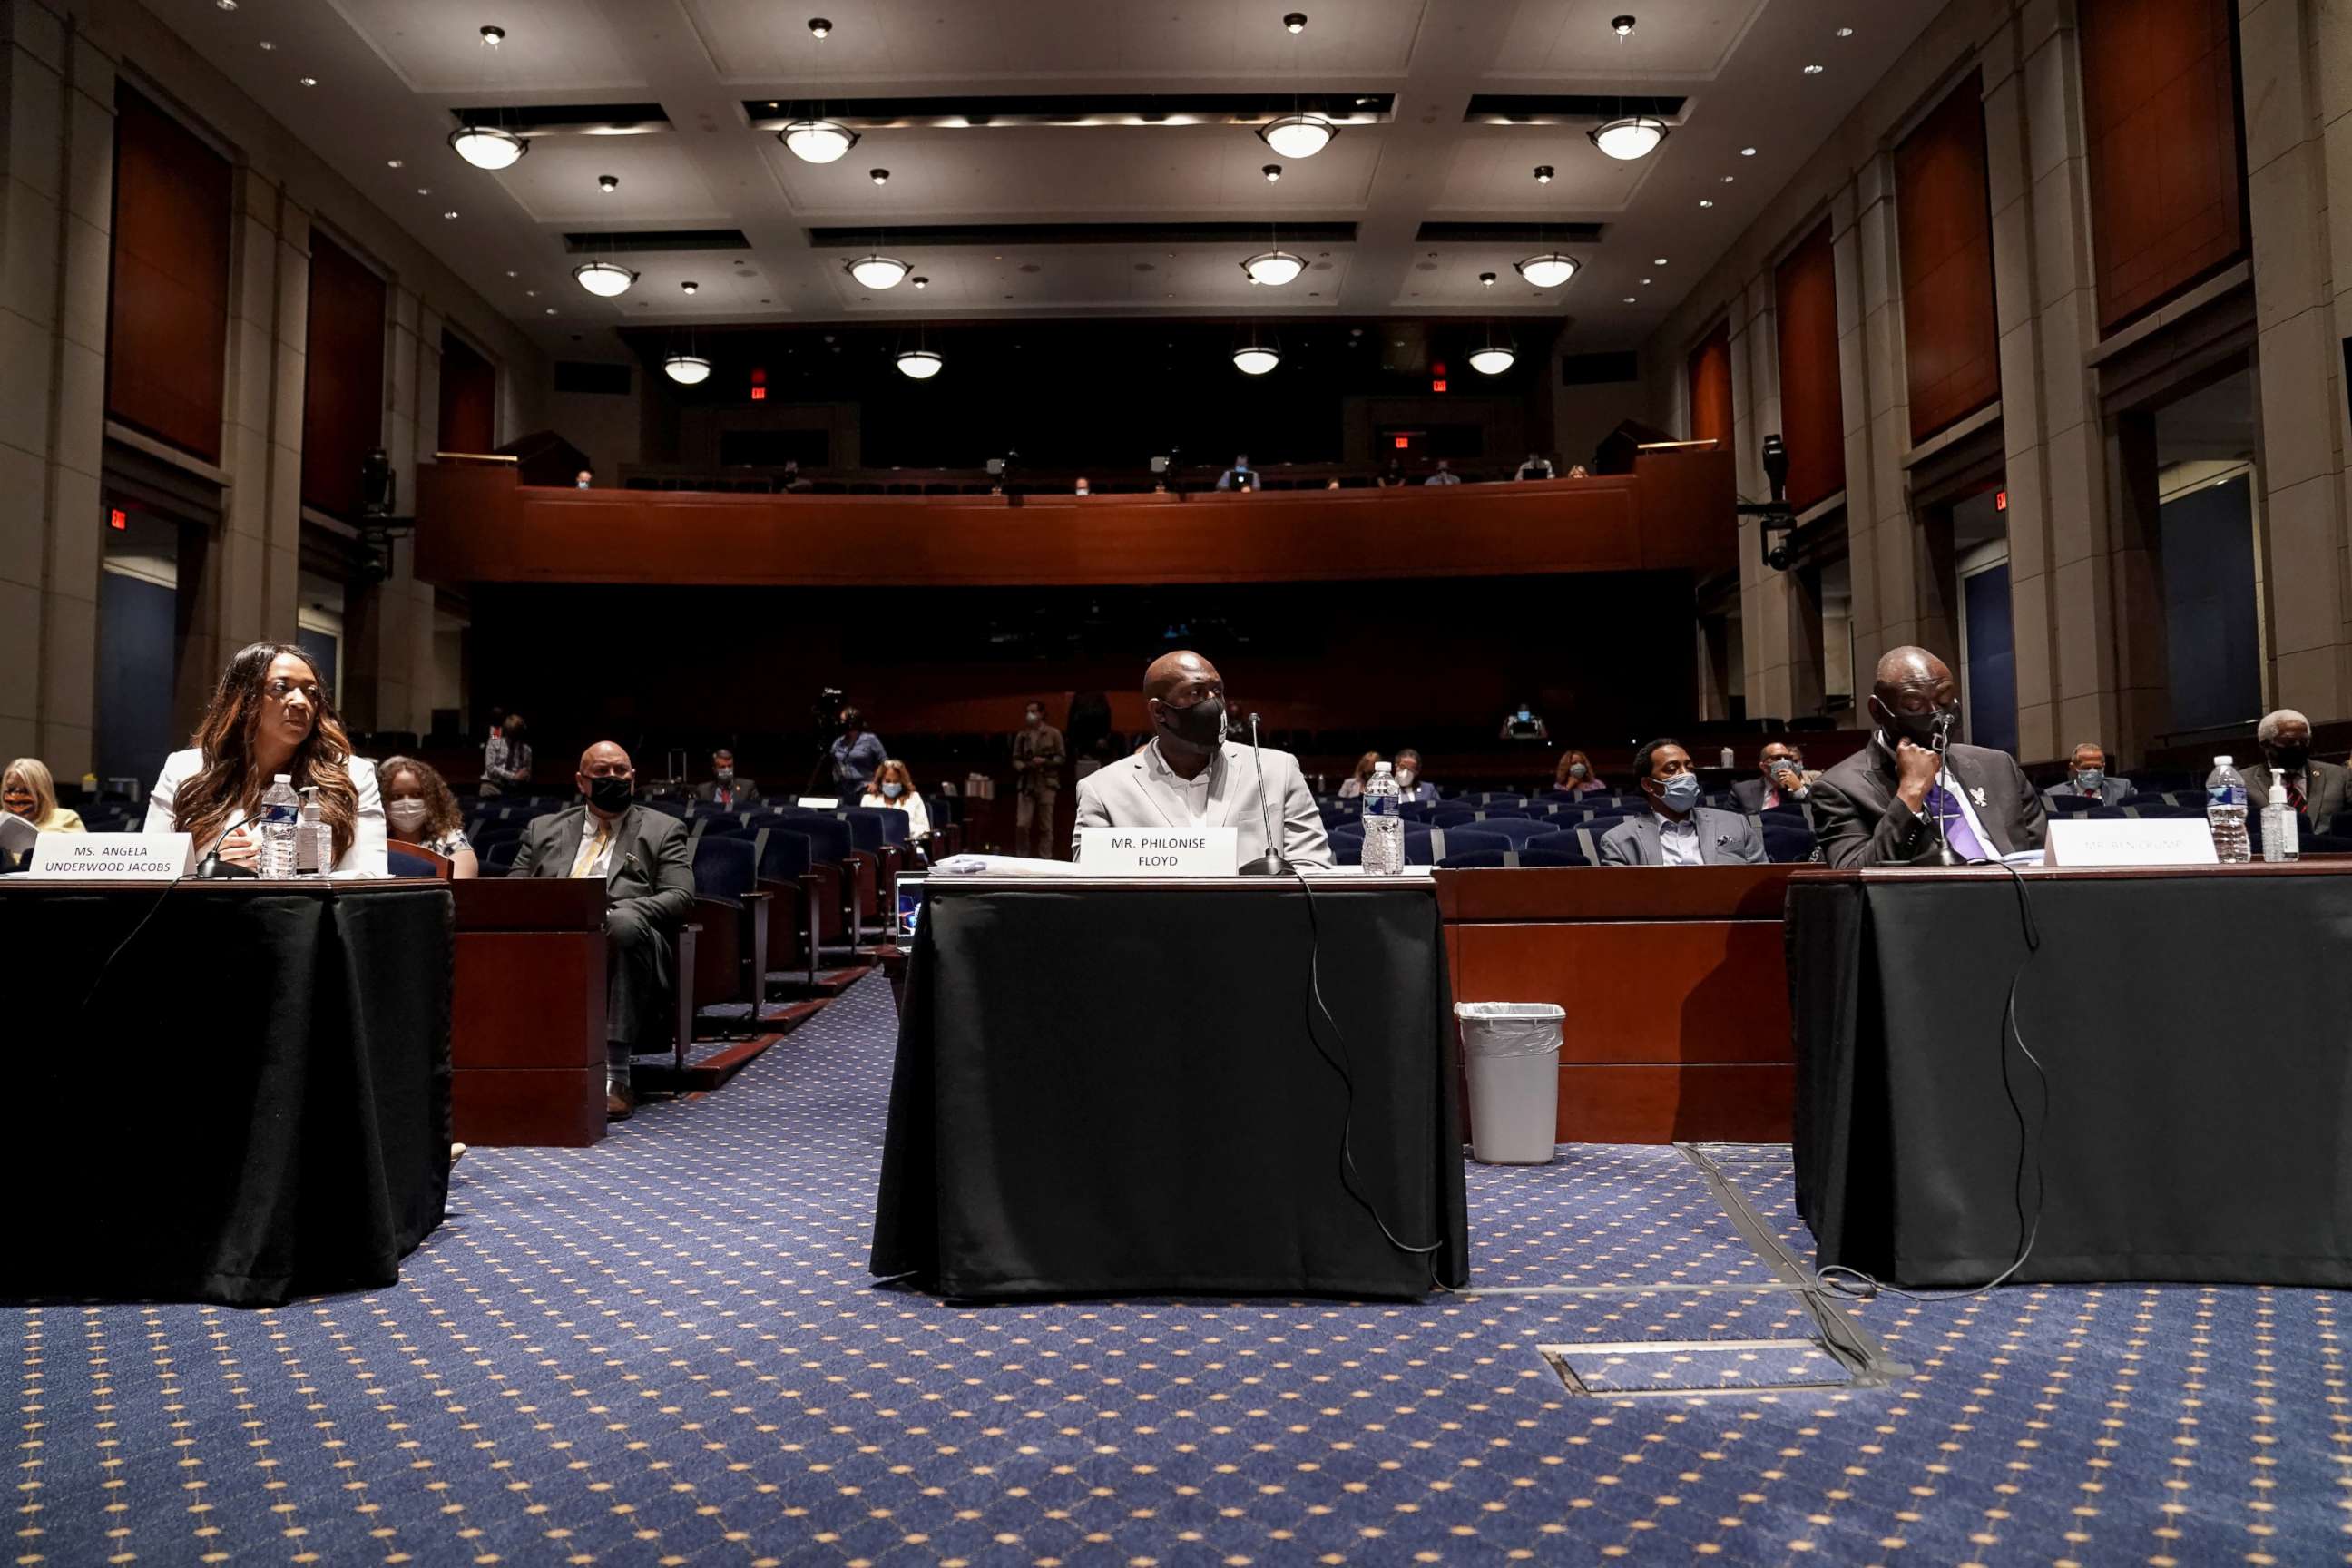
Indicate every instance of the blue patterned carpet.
{"type": "Point", "coordinates": [666, 1351]}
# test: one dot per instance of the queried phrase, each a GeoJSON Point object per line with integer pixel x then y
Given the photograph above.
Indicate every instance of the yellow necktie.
{"type": "Point", "coordinates": [591, 849]}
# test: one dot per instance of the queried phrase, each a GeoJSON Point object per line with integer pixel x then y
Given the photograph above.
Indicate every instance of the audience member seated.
{"type": "Point", "coordinates": [1523, 723]}
{"type": "Point", "coordinates": [795, 482]}
{"type": "Point", "coordinates": [727, 789]}
{"type": "Point", "coordinates": [505, 758]}
{"type": "Point", "coordinates": [1352, 787]}
{"type": "Point", "coordinates": [2087, 780]}
{"type": "Point", "coordinates": [1240, 477]}
{"type": "Point", "coordinates": [27, 790]}
{"type": "Point", "coordinates": [1678, 830]}
{"type": "Point", "coordinates": [1190, 776]}
{"type": "Point", "coordinates": [1780, 781]}
{"type": "Point", "coordinates": [1410, 785]}
{"type": "Point", "coordinates": [584, 480]}
{"type": "Point", "coordinates": [894, 787]}
{"type": "Point", "coordinates": [267, 716]}
{"type": "Point", "coordinates": [1536, 466]}
{"type": "Point", "coordinates": [1578, 471]}
{"type": "Point", "coordinates": [2314, 788]}
{"type": "Point", "coordinates": [1444, 476]}
{"type": "Point", "coordinates": [857, 755]}
{"type": "Point", "coordinates": [1575, 775]}
{"type": "Point", "coordinates": [643, 859]}
{"type": "Point", "coordinates": [1391, 477]}
{"type": "Point", "coordinates": [419, 809]}
{"type": "Point", "coordinates": [1879, 807]}
{"type": "Point", "coordinates": [1083, 488]}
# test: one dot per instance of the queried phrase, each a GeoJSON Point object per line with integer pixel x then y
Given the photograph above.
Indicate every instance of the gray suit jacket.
{"type": "Point", "coordinates": [1126, 793]}
{"type": "Point", "coordinates": [2115, 791]}
{"type": "Point", "coordinates": [1859, 821]}
{"type": "Point", "coordinates": [651, 866]}
{"type": "Point", "coordinates": [2324, 795]}
{"type": "Point", "coordinates": [1725, 839]}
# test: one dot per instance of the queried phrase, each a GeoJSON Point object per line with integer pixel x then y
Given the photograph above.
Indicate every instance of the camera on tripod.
{"type": "Point", "coordinates": [1776, 521]}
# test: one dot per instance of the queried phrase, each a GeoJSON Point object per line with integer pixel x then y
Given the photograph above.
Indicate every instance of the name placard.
{"type": "Point", "coordinates": [1160, 852]}
{"type": "Point", "coordinates": [818, 801]}
{"type": "Point", "coordinates": [2160, 841]}
{"type": "Point", "coordinates": [112, 857]}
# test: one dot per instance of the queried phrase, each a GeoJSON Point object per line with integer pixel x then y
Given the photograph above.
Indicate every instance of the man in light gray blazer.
{"type": "Point", "coordinates": [1192, 776]}
{"type": "Point", "coordinates": [1677, 830]}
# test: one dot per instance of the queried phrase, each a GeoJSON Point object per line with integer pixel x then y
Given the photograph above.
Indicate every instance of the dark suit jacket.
{"type": "Point", "coordinates": [1859, 821]}
{"type": "Point", "coordinates": [2325, 788]}
{"type": "Point", "coordinates": [1724, 839]}
{"type": "Point", "coordinates": [651, 867]}
{"type": "Point", "coordinates": [747, 794]}
{"type": "Point", "coordinates": [1748, 795]}
{"type": "Point", "coordinates": [2115, 791]}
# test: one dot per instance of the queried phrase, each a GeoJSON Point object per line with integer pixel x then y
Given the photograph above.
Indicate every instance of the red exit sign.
{"type": "Point", "coordinates": [118, 518]}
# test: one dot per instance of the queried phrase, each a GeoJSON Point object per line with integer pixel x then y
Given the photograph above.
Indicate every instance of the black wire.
{"type": "Point", "coordinates": [2029, 1143]}
{"type": "Point", "coordinates": [107, 968]}
{"type": "Point", "coordinates": [1349, 1175]}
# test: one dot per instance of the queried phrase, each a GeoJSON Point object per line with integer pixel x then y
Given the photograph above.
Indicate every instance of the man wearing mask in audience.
{"type": "Point", "coordinates": [2314, 788]}
{"type": "Point", "coordinates": [2087, 779]}
{"type": "Point", "coordinates": [1410, 784]}
{"type": "Point", "coordinates": [1037, 758]}
{"type": "Point", "coordinates": [642, 859]}
{"type": "Point", "coordinates": [1240, 477]}
{"type": "Point", "coordinates": [1881, 806]}
{"type": "Point", "coordinates": [1190, 776]}
{"type": "Point", "coordinates": [1780, 781]}
{"type": "Point", "coordinates": [1444, 476]}
{"type": "Point", "coordinates": [857, 755]}
{"type": "Point", "coordinates": [727, 789]}
{"type": "Point", "coordinates": [1678, 830]}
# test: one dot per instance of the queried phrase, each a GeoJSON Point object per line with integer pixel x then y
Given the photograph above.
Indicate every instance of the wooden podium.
{"type": "Point", "coordinates": [527, 1025]}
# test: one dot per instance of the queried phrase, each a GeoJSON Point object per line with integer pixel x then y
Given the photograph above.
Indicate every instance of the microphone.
{"type": "Point", "coordinates": [1271, 863]}
{"type": "Point", "coordinates": [1941, 746]}
{"type": "Point", "coordinates": [213, 868]}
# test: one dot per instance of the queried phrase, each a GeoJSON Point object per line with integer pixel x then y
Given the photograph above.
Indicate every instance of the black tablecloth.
{"type": "Point", "coordinates": [2194, 1029]}
{"type": "Point", "coordinates": [253, 1105]}
{"type": "Point", "coordinates": [1108, 1088]}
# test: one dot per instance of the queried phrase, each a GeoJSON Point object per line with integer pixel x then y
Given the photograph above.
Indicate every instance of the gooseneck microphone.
{"type": "Point", "coordinates": [213, 868]}
{"type": "Point", "coordinates": [1271, 863]}
{"type": "Point", "coordinates": [1943, 742]}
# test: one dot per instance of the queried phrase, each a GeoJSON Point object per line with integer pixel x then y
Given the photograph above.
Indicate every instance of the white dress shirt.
{"type": "Point", "coordinates": [365, 858]}
{"type": "Point", "coordinates": [1194, 792]}
{"type": "Point", "coordinates": [1678, 842]}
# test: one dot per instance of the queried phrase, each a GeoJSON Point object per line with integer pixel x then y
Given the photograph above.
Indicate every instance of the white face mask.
{"type": "Point", "coordinates": [408, 815]}
{"type": "Point", "coordinates": [1404, 778]}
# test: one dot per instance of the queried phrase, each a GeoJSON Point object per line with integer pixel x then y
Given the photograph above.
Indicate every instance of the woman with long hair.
{"type": "Point", "coordinates": [27, 790]}
{"type": "Point", "coordinates": [1353, 784]}
{"type": "Point", "coordinates": [893, 786]}
{"type": "Point", "coordinates": [269, 716]}
{"type": "Point", "coordinates": [1575, 775]}
{"type": "Point", "coordinates": [419, 809]}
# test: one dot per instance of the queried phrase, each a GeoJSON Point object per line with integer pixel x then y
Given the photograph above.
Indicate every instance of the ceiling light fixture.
{"type": "Point", "coordinates": [226, 5]}
{"type": "Point", "coordinates": [1621, 25]}
{"type": "Point", "coordinates": [920, 364]}
{"type": "Point", "coordinates": [879, 176]}
{"type": "Point", "coordinates": [451, 212]}
{"type": "Point", "coordinates": [1548, 270]}
{"type": "Point", "coordinates": [1272, 172]}
{"type": "Point", "coordinates": [1296, 21]}
{"type": "Point", "coordinates": [1704, 203]}
{"type": "Point", "coordinates": [1845, 32]}
{"type": "Point", "coordinates": [919, 282]}
{"type": "Point", "coordinates": [392, 164]}
{"type": "Point", "coordinates": [608, 183]}
{"type": "Point", "coordinates": [488, 146]}
{"type": "Point", "coordinates": [817, 140]}
{"type": "Point", "coordinates": [873, 270]}
{"type": "Point", "coordinates": [1543, 173]}
{"type": "Point", "coordinates": [820, 28]}
{"type": "Point", "coordinates": [1274, 268]}
{"type": "Point", "coordinates": [1255, 358]}
{"type": "Point", "coordinates": [1747, 151]}
{"type": "Point", "coordinates": [267, 45]}
{"type": "Point", "coordinates": [310, 81]}
{"type": "Point", "coordinates": [1297, 135]}
{"type": "Point", "coordinates": [1487, 279]}
{"type": "Point", "coordinates": [605, 279]}
{"type": "Point", "coordinates": [1629, 137]}
{"type": "Point", "coordinates": [1812, 70]}
{"type": "Point", "coordinates": [687, 370]}
{"type": "Point", "coordinates": [1493, 359]}
{"type": "Point", "coordinates": [1657, 261]}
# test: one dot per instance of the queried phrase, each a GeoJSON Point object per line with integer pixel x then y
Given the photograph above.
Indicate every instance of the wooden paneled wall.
{"type": "Point", "coordinates": [343, 394]}
{"type": "Point", "coordinates": [1710, 388]}
{"type": "Point", "coordinates": [1812, 410]}
{"type": "Point", "coordinates": [167, 312]}
{"type": "Point", "coordinates": [470, 398]}
{"type": "Point", "coordinates": [2167, 159]}
{"type": "Point", "coordinates": [1944, 228]}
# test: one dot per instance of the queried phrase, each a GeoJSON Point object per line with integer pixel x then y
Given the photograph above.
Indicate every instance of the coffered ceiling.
{"type": "Point", "coordinates": [998, 120]}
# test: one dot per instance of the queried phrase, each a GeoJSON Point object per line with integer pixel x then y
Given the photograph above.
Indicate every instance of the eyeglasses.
{"type": "Point", "coordinates": [278, 689]}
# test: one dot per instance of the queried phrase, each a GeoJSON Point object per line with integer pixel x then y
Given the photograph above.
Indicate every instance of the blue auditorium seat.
{"type": "Point", "coordinates": [1517, 829]}
{"type": "Point", "coordinates": [1496, 860]}
{"type": "Point", "coordinates": [1787, 843]}
{"type": "Point", "coordinates": [498, 859]}
{"type": "Point", "coordinates": [1568, 847]}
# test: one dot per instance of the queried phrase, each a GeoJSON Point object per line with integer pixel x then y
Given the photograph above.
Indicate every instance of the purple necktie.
{"type": "Point", "coordinates": [1957, 831]}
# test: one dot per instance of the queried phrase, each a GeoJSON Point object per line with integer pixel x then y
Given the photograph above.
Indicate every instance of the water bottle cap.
{"type": "Point", "coordinates": [1382, 768]}
{"type": "Point", "coordinates": [281, 778]}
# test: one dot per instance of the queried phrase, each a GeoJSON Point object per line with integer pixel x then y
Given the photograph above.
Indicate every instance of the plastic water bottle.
{"type": "Point", "coordinates": [310, 836]}
{"type": "Point", "coordinates": [1383, 824]}
{"type": "Point", "coordinates": [279, 819]}
{"type": "Point", "coordinates": [2279, 826]}
{"type": "Point", "coordinates": [2225, 812]}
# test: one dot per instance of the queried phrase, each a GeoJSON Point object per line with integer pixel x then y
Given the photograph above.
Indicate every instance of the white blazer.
{"type": "Point", "coordinates": [365, 858]}
{"type": "Point", "coordinates": [1129, 793]}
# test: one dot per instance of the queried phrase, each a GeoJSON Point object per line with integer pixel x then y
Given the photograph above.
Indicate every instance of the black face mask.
{"type": "Point", "coordinates": [1201, 726]}
{"type": "Point", "coordinates": [610, 795]}
{"type": "Point", "coordinates": [1919, 729]}
{"type": "Point", "coordinates": [2288, 759]}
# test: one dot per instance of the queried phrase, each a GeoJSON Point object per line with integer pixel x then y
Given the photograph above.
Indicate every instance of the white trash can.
{"type": "Point", "coordinates": [1513, 1050]}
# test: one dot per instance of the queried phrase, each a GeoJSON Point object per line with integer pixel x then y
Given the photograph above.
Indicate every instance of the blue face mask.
{"type": "Point", "coordinates": [892, 791]}
{"type": "Point", "coordinates": [1681, 792]}
{"type": "Point", "coordinates": [2088, 779]}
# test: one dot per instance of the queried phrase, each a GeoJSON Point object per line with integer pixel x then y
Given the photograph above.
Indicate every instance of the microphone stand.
{"type": "Point", "coordinates": [1271, 863]}
{"type": "Point", "coordinates": [213, 868]}
{"type": "Point", "coordinates": [1944, 856]}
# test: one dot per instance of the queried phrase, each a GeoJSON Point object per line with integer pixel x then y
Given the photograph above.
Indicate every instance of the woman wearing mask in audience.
{"type": "Point", "coordinates": [27, 791]}
{"type": "Point", "coordinates": [268, 716]}
{"type": "Point", "coordinates": [419, 809]}
{"type": "Point", "coordinates": [1353, 784]}
{"type": "Point", "coordinates": [894, 786]}
{"type": "Point", "coordinates": [1576, 775]}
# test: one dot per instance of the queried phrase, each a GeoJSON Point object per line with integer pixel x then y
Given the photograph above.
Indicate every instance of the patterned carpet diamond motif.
{"type": "Point", "coordinates": [666, 1351]}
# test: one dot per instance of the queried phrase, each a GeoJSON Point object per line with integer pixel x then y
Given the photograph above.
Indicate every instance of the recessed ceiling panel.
{"type": "Point", "coordinates": [967, 281]}
{"type": "Point", "coordinates": [1494, 171]}
{"type": "Point", "coordinates": [435, 46]}
{"type": "Point", "coordinates": [762, 41]}
{"type": "Point", "coordinates": [1671, 38]}
{"type": "Point", "coordinates": [660, 182]}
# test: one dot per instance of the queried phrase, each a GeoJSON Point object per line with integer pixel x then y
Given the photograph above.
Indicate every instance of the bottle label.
{"type": "Point", "coordinates": [1380, 805]}
{"type": "Point", "coordinates": [2225, 794]}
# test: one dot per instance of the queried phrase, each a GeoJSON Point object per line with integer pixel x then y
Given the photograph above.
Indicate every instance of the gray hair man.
{"type": "Point", "coordinates": [2313, 788]}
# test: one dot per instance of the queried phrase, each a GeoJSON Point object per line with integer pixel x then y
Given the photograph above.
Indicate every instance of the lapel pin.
{"type": "Point", "coordinates": [1978, 794]}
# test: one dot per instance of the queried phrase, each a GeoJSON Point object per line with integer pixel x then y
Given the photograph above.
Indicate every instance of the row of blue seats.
{"type": "Point", "coordinates": [1521, 842]}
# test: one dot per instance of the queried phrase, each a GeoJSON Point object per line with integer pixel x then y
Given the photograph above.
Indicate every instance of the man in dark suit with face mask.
{"type": "Point", "coordinates": [1882, 806]}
